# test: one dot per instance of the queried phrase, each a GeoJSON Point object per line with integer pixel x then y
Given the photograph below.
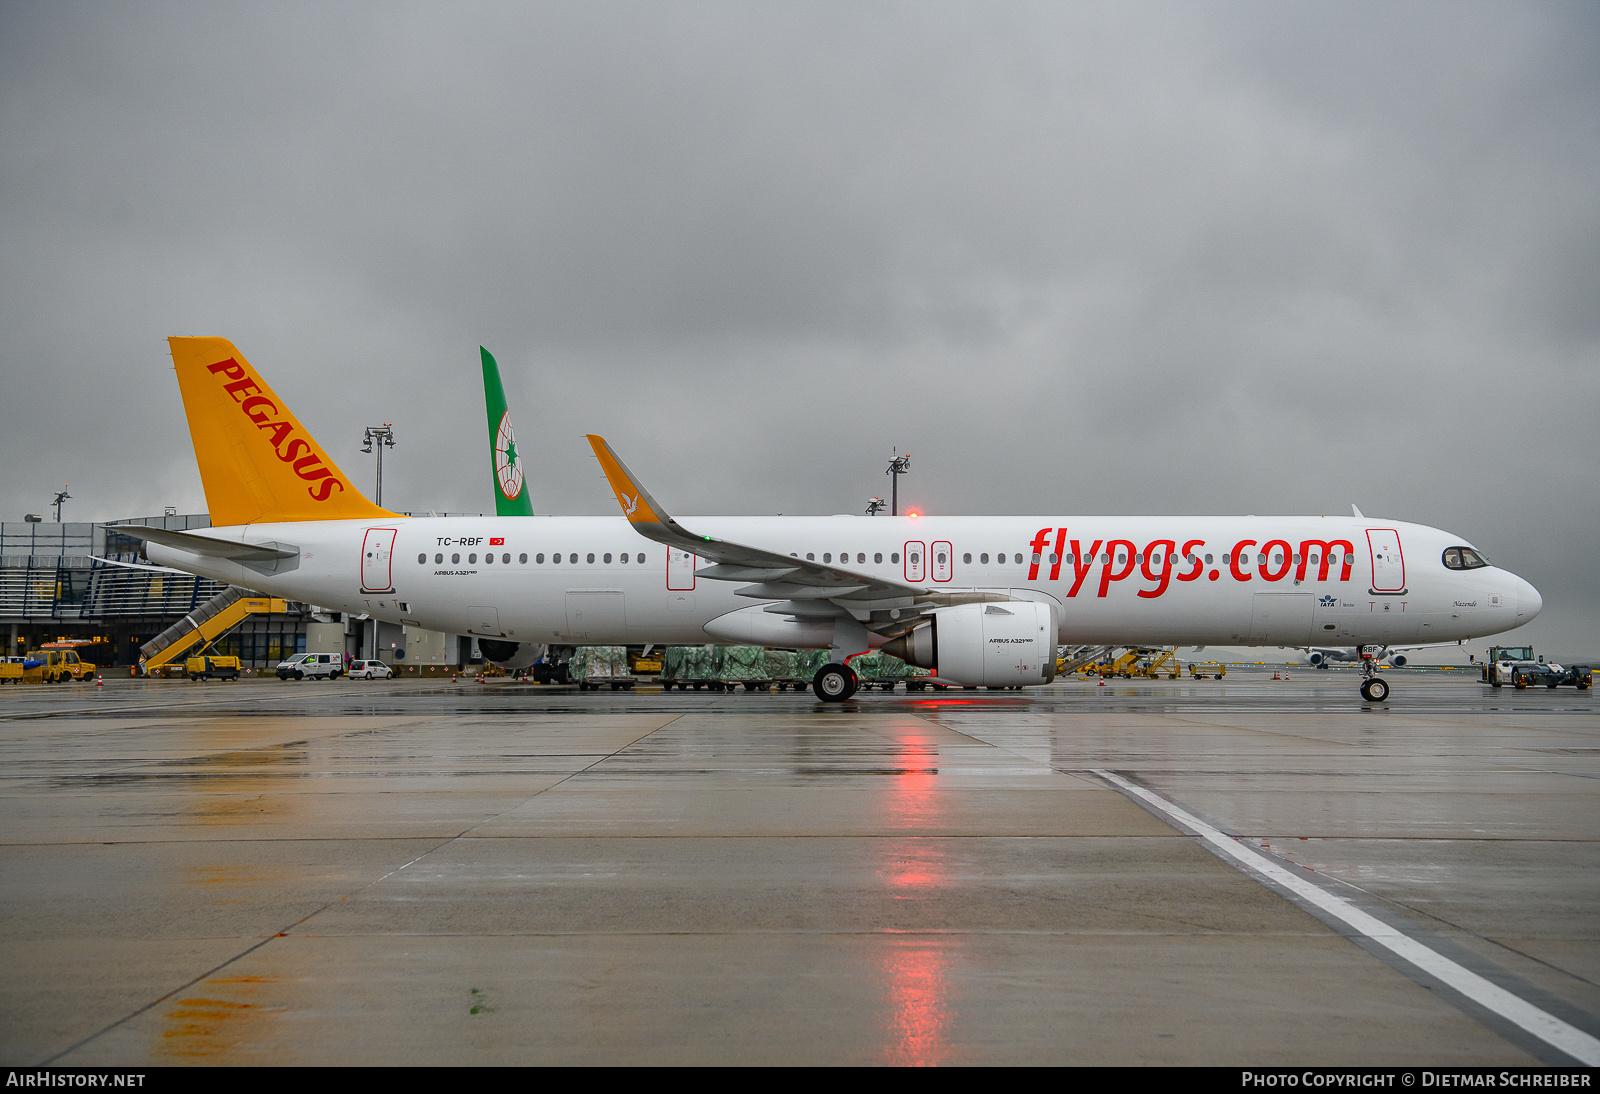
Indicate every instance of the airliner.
{"type": "Point", "coordinates": [980, 601]}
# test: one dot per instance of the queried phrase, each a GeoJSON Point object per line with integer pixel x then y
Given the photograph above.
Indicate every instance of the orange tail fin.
{"type": "Point", "coordinates": [258, 464]}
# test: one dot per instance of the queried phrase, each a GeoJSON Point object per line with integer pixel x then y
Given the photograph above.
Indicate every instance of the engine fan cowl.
{"type": "Point", "coordinates": [987, 645]}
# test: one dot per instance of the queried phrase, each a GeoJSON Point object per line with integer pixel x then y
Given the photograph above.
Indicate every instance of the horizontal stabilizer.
{"type": "Point", "coordinates": [208, 546]}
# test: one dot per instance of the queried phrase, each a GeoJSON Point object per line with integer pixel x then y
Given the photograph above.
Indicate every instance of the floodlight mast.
{"type": "Point", "coordinates": [61, 496]}
{"type": "Point", "coordinates": [383, 437]}
{"type": "Point", "coordinates": [898, 465]}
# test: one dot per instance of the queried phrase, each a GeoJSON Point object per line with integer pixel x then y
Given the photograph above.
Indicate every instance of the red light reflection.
{"type": "Point", "coordinates": [915, 872]}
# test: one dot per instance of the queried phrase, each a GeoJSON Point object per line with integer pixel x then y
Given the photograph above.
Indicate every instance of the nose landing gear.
{"type": "Point", "coordinates": [1374, 688]}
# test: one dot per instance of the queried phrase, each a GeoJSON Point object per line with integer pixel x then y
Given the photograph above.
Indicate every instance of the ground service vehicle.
{"type": "Point", "coordinates": [315, 666]}
{"type": "Point", "coordinates": [981, 601]}
{"type": "Point", "coordinates": [63, 665]}
{"type": "Point", "coordinates": [370, 670]}
{"type": "Point", "coordinates": [1527, 674]}
{"type": "Point", "coordinates": [1500, 660]}
{"type": "Point", "coordinates": [206, 666]}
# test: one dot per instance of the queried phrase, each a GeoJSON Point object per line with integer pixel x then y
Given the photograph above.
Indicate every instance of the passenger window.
{"type": "Point", "coordinates": [591, 557]}
{"type": "Point", "coordinates": [472, 557]}
{"type": "Point", "coordinates": [488, 559]}
{"type": "Point", "coordinates": [894, 557]}
{"type": "Point", "coordinates": [422, 558]}
{"type": "Point", "coordinates": [623, 558]}
{"type": "Point", "coordinates": [608, 558]}
{"type": "Point", "coordinates": [967, 558]}
{"type": "Point", "coordinates": [811, 556]}
{"type": "Point", "coordinates": [522, 559]}
{"type": "Point", "coordinates": [915, 558]}
{"type": "Point", "coordinates": [1053, 558]}
{"type": "Point", "coordinates": [555, 560]}
{"type": "Point", "coordinates": [1208, 559]}
{"type": "Point", "coordinates": [984, 558]}
{"type": "Point", "coordinates": [573, 558]}
{"type": "Point", "coordinates": [455, 559]}
{"type": "Point", "coordinates": [878, 557]}
{"type": "Point", "coordinates": [1019, 560]}
{"type": "Point", "coordinates": [941, 558]}
{"type": "Point", "coordinates": [861, 556]}
{"type": "Point", "coordinates": [641, 558]}
{"type": "Point", "coordinates": [438, 558]}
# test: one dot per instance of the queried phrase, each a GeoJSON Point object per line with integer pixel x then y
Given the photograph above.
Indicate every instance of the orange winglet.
{"type": "Point", "coordinates": [637, 504]}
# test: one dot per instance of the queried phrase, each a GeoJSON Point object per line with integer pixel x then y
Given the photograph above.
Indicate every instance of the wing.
{"type": "Point", "coordinates": [804, 587]}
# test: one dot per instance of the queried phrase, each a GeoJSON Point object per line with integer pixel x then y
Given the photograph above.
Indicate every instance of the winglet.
{"type": "Point", "coordinates": [1358, 514]}
{"type": "Point", "coordinates": [637, 504]}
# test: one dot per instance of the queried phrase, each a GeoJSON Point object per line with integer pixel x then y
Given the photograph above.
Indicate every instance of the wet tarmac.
{"type": "Point", "coordinates": [413, 873]}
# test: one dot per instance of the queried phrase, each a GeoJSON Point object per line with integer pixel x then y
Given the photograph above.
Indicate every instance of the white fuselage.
{"type": "Point", "coordinates": [1116, 579]}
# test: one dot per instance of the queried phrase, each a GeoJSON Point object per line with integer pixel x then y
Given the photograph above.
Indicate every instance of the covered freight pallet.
{"type": "Point", "coordinates": [598, 663]}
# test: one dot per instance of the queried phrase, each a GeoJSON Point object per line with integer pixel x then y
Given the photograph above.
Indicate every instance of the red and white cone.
{"type": "Point", "coordinates": [99, 681]}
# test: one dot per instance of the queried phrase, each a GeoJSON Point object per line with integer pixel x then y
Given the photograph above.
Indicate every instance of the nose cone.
{"type": "Point", "coordinates": [1529, 602]}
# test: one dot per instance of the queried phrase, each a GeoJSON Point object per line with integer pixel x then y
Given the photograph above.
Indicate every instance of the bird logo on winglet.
{"type": "Point", "coordinates": [628, 504]}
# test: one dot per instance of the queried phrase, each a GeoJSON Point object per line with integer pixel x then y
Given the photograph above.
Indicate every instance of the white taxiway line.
{"type": "Point", "coordinates": [1547, 1027]}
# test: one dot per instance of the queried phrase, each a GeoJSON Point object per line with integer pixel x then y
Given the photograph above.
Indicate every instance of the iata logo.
{"type": "Point", "coordinates": [507, 464]}
{"type": "Point", "coordinates": [1328, 601]}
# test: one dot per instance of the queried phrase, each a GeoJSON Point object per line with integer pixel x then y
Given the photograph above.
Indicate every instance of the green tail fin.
{"type": "Point", "coordinates": [510, 487]}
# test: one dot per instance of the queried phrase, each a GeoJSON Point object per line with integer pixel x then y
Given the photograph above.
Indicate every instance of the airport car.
{"type": "Point", "coordinates": [370, 670]}
{"type": "Point", "coordinates": [327, 666]}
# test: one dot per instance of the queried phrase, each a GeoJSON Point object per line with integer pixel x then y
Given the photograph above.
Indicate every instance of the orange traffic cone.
{"type": "Point", "coordinates": [99, 681]}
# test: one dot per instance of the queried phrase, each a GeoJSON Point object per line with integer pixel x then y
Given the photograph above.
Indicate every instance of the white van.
{"type": "Point", "coordinates": [326, 666]}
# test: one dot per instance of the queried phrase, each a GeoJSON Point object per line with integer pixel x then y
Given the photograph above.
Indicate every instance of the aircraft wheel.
{"type": "Point", "coordinates": [1375, 689]}
{"type": "Point", "coordinates": [834, 683]}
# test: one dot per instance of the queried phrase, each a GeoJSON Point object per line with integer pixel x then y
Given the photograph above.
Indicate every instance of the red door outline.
{"type": "Point", "coordinates": [1388, 561]}
{"type": "Point", "coordinates": [943, 571]}
{"type": "Point", "coordinates": [377, 560]}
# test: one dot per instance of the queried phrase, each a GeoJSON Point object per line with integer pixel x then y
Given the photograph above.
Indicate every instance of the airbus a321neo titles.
{"type": "Point", "coordinates": [981, 601]}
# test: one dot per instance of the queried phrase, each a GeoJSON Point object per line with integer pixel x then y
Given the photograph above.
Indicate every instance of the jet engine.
{"type": "Point", "coordinates": [1398, 660]}
{"type": "Point", "coordinates": [511, 655]}
{"type": "Point", "coordinates": [988, 645]}
{"type": "Point", "coordinates": [1316, 659]}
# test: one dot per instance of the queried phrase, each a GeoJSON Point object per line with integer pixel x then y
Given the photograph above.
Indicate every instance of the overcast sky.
{"type": "Point", "coordinates": [1076, 258]}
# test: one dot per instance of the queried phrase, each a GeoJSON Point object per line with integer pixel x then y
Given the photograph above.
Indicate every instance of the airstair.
{"type": "Point", "coordinates": [204, 625]}
{"type": "Point", "coordinates": [1073, 660]}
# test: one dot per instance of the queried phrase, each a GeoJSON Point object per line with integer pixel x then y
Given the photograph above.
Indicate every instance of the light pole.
{"type": "Point", "coordinates": [897, 467]}
{"type": "Point", "coordinates": [60, 497]}
{"type": "Point", "coordinates": [381, 436]}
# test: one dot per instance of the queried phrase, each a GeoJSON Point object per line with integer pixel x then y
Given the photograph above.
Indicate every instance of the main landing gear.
{"type": "Point", "coordinates": [834, 683]}
{"type": "Point", "coordinates": [1374, 688]}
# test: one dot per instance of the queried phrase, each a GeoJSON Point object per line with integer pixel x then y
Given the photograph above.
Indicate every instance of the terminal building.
{"type": "Point", "coordinates": [61, 581]}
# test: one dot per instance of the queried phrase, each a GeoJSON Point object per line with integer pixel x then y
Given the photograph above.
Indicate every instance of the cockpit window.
{"type": "Point", "coordinates": [1463, 558]}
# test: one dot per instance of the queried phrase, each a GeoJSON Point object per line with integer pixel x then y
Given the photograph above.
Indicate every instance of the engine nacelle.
{"type": "Point", "coordinates": [987, 645]}
{"type": "Point", "coordinates": [1398, 660]}
{"type": "Point", "coordinates": [1316, 658]}
{"type": "Point", "coordinates": [511, 655]}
